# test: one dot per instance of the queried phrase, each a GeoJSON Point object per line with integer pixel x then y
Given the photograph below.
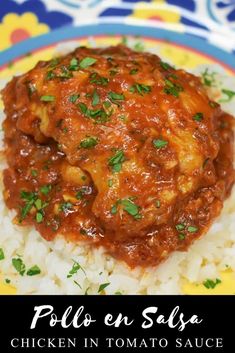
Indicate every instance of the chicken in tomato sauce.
{"type": "Point", "coordinates": [116, 148]}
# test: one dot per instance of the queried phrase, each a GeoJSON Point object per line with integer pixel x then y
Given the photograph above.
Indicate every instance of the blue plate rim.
{"type": "Point", "coordinates": [76, 32]}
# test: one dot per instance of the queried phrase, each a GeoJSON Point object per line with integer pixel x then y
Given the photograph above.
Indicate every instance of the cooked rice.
{"type": "Point", "coordinates": [206, 258]}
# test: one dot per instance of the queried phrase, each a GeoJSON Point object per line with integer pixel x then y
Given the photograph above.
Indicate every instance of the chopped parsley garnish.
{"type": "Point", "coordinates": [102, 287]}
{"type": "Point", "coordinates": [192, 229]}
{"type": "Point", "coordinates": [73, 64]}
{"type": "Point", "coordinates": [129, 206]}
{"type": "Point", "coordinates": [208, 79]}
{"type": "Point", "coordinates": [39, 217]}
{"type": "Point", "coordinates": [210, 284]}
{"type": "Point", "coordinates": [158, 143]}
{"type": "Point", "coordinates": [33, 271]}
{"type": "Point", "coordinates": [19, 265]}
{"type": "Point", "coordinates": [113, 72]}
{"type": "Point", "coordinates": [50, 75]}
{"type": "Point", "coordinates": [140, 88]}
{"type": "Point", "coordinates": [45, 189]}
{"type": "Point", "coordinates": [86, 62]}
{"type": "Point", "coordinates": [172, 88]}
{"type": "Point", "coordinates": [34, 172]}
{"type": "Point", "coordinates": [89, 142]}
{"type": "Point", "coordinates": [98, 80]}
{"type": "Point", "coordinates": [118, 293]}
{"type": "Point", "coordinates": [47, 98]}
{"type": "Point", "coordinates": [114, 209]}
{"type": "Point", "coordinates": [2, 256]}
{"type": "Point", "coordinates": [165, 66]}
{"type": "Point", "coordinates": [180, 226]}
{"type": "Point", "coordinates": [110, 183]}
{"type": "Point", "coordinates": [95, 98]}
{"type": "Point", "coordinates": [198, 117]}
{"type": "Point", "coordinates": [65, 73]}
{"type": "Point", "coordinates": [158, 203]}
{"type": "Point", "coordinates": [181, 236]}
{"type": "Point", "coordinates": [116, 161]}
{"type": "Point", "coordinates": [115, 97]}
{"type": "Point", "coordinates": [229, 96]}
{"type": "Point", "coordinates": [99, 115]}
{"type": "Point", "coordinates": [79, 194]}
{"type": "Point", "coordinates": [139, 46]}
{"type": "Point", "coordinates": [29, 198]}
{"type": "Point", "coordinates": [213, 104]}
{"type": "Point", "coordinates": [74, 97]}
{"type": "Point", "coordinates": [75, 268]}
{"type": "Point", "coordinates": [133, 71]}
{"type": "Point", "coordinates": [66, 206]}
{"type": "Point", "coordinates": [54, 62]}
{"type": "Point", "coordinates": [8, 281]}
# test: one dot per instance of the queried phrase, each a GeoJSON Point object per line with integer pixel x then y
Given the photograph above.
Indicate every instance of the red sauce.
{"type": "Point", "coordinates": [116, 148]}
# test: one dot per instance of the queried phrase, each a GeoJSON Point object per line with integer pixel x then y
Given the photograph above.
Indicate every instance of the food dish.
{"type": "Point", "coordinates": [116, 148]}
{"type": "Point", "coordinates": [107, 289]}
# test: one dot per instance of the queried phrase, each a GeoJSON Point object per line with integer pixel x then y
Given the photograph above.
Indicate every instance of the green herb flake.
{"type": "Point", "coordinates": [172, 88]}
{"type": "Point", "coordinates": [50, 75]}
{"type": "Point", "coordinates": [73, 64]}
{"type": "Point", "coordinates": [45, 189]}
{"type": "Point", "coordinates": [39, 217]}
{"type": "Point", "coordinates": [110, 183]}
{"type": "Point", "coordinates": [165, 66]}
{"type": "Point", "coordinates": [95, 98]}
{"type": "Point", "coordinates": [75, 268]}
{"type": "Point", "coordinates": [133, 71]}
{"type": "Point", "coordinates": [118, 293]}
{"type": "Point", "coordinates": [33, 271]}
{"type": "Point", "coordinates": [77, 284]}
{"type": "Point", "coordinates": [213, 104]}
{"type": "Point", "coordinates": [19, 265]}
{"type": "Point", "coordinates": [181, 236]}
{"type": "Point", "coordinates": [80, 195]}
{"type": "Point", "coordinates": [210, 284]}
{"type": "Point", "coordinates": [114, 209]}
{"type": "Point", "coordinates": [229, 96]}
{"type": "Point", "coordinates": [139, 46]}
{"type": "Point", "coordinates": [73, 98]}
{"type": "Point", "coordinates": [47, 98]}
{"type": "Point", "coordinates": [130, 207]}
{"type": "Point", "coordinates": [192, 229]}
{"type": "Point", "coordinates": [180, 226]}
{"type": "Point", "coordinates": [66, 206]}
{"type": "Point", "coordinates": [158, 203]}
{"type": "Point", "coordinates": [8, 281]}
{"type": "Point", "coordinates": [98, 80]}
{"type": "Point", "coordinates": [34, 173]}
{"type": "Point", "coordinates": [208, 78]}
{"type": "Point", "coordinates": [29, 199]}
{"type": "Point", "coordinates": [102, 287]}
{"type": "Point", "coordinates": [158, 143]}
{"type": "Point", "coordinates": [86, 62]}
{"type": "Point", "coordinates": [140, 88]}
{"type": "Point", "coordinates": [88, 142]}
{"type": "Point", "coordinates": [116, 161]}
{"type": "Point", "coordinates": [115, 97]}
{"type": "Point", "coordinates": [2, 256]}
{"type": "Point", "coordinates": [198, 117]}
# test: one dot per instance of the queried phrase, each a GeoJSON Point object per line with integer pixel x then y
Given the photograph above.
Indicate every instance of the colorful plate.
{"type": "Point", "coordinates": [182, 49]}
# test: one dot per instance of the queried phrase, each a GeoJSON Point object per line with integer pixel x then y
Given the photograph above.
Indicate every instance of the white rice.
{"type": "Point", "coordinates": [206, 258]}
